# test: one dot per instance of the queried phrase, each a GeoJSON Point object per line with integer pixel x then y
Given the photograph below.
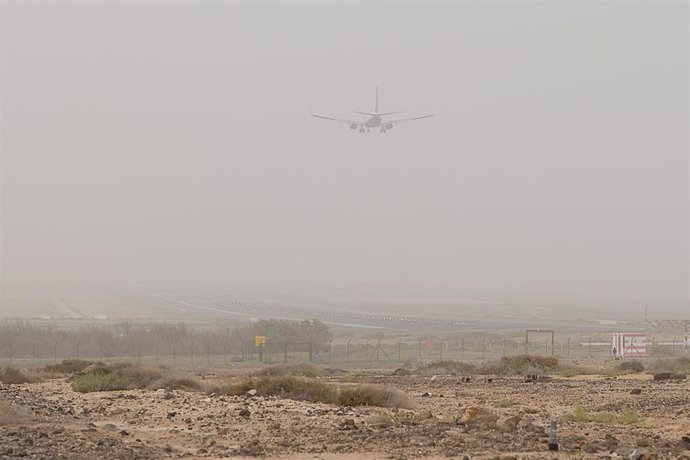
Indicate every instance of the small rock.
{"type": "Point", "coordinates": [426, 394]}
{"type": "Point", "coordinates": [245, 413]}
{"type": "Point", "coordinates": [251, 392]}
{"type": "Point", "coordinates": [124, 433]}
{"type": "Point", "coordinates": [348, 424]}
{"type": "Point", "coordinates": [636, 391]}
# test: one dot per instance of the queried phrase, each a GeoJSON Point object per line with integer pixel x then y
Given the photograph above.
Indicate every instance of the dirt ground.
{"type": "Point", "coordinates": [503, 418]}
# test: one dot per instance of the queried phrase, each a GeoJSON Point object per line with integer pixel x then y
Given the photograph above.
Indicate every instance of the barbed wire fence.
{"type": "Point", "coordinates": [22, 345]}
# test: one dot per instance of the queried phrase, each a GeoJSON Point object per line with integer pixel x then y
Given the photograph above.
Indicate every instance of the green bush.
{"type": "Point", "coordinates": [581, 414]}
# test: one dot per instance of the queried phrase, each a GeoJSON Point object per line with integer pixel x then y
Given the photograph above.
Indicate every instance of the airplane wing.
{"type": "Point", "coordinates": [405, 120]}
{"type": "Point", "coordinates": [340, 120]}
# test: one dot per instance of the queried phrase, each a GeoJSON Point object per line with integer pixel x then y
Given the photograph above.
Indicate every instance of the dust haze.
{"type": "Point", "coordinates": [170, 144]}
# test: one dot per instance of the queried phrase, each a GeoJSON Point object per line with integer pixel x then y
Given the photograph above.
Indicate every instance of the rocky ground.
{"type": "Point", "coordinates": [631, 417]}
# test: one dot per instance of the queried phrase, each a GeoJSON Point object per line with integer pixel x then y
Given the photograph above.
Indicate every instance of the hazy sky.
{"type": "Point", "coordinates": [171, 143]}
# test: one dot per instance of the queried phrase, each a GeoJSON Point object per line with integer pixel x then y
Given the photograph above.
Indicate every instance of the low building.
{"type": "Point", "coordinates": [629, 344]}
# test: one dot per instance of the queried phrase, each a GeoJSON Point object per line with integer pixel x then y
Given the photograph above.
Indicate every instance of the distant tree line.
{"type": "Point", "coordinates": [23, 339]}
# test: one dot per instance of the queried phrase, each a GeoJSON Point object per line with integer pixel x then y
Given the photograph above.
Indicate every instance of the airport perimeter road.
{"type": "Point", "coordinates": [199, 303]}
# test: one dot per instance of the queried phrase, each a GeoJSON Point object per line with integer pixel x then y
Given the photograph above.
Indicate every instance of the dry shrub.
{"type": "Point", "coordinates": [126, 376]}
{"type": "Point", "coordinates": [520, 365]}
{"type": "Point", "coordinates": [446, 368]}
{"type": "Point", "coordinates": [301, 389]}
{"type": "Point", "coordinates": [630, 366]}
{"type": "Point", "coordinates": [371, 395]}
{"type": "Point", "coordinates": [14, 376]}
{"type": "Point", "coordinates": [678, 365]}
{"type": "Point", "coordinates": [69, 366]}
{"type": "Point", "coordinates": [284, 370]}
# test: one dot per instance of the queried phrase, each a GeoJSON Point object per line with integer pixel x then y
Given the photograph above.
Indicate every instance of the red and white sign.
{"type": "Point", "coordinates": [629, 344]}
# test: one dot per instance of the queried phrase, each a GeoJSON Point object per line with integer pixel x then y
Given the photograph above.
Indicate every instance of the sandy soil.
{"type": "Point", "coordinates": [505, 418]}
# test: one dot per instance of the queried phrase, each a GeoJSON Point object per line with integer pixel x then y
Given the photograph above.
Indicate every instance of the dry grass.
{"type": "Point", "coordinates": [124, 376]}
{"type": "Point", "coordinates": [14, 376]}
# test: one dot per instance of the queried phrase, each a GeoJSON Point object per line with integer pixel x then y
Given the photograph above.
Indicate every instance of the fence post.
{"type": "Point", "coordinates": [590, 347]}
{"type": "Point", "coordinates": [285, 348]}
{"type": "Point", "coordinates": [568, 343]}
{"type": "Point", "coordinates": [419, 350]}
{"type": "Point", "coordinates": [546, 348]}
{"type": "Point", "coordinates": [399, 349]}
{"type": "Point", "coordinates": [77, 350]}
{"type": "Point", "coordinates": [174, 351]}
{"type": "Point", "coordinates": [462, 349]}
{"type": "Point", "coordinates": [504, 346]}
{"type": "Point", "coordinates": [348, 348]}
{"type": "Point", "coordinates": [33, 354]}
{"type": "Point", "coordinates": [11, 343]}
{"type": "Point", "coordinates": [55, 353]}
{"type": "Point", "coordinates": [311, 351]}
{"type": "Point", "coordinates": [378, 347]}
{"type": "Point", "coordinates": [441, 359]}
{"type": "Point", "coordinates": [366, 350]}
{"type": "Point", "coordinates": [191, 352]}
{"type": "Point", "coordinates": [673, 347]}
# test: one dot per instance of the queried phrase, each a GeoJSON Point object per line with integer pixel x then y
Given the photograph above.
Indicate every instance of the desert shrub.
{"type": "Point", "coordinates": [13, 376]}
{"type": "Point", "coordinates": [630, 366]}
{"type": "Point", "coordinates": [283, 370]}
{"type": "Point", "coordinates": [520, 364]}
{"type": "Point", "coordinates": [447, 367]}
{"type": "Point", "coordinates": [301, 389]}
{"type": "Point", "coordinates": [503, 403]}
{"type": "Point", "coordinates": [288, 387]}
{"type": "Point", "coordinates": [125, 376]}
{"type": "Point", "coordinates": [69, 366]}
{"type": "Point", "coordinates": [371, 395]}
{"type": "Point", "coordinates": [679, 365]}
{"type": "Point", "coordinates": [177, 383]}
{"type": "Point", "coordinates": [581, 414]}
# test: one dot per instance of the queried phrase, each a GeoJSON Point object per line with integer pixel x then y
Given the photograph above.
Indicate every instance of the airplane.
{"type": "Point", "coordinates": [374, 120]}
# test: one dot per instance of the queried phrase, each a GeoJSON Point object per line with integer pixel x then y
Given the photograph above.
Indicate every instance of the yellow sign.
{"type": "Point", "coordinates": [260, 340]}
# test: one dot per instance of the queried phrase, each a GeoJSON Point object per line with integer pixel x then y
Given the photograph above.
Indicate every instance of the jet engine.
{"type": "Point", "coordinates": [353, 125]}
{"type": "Point", "coordinates": [388, 126]}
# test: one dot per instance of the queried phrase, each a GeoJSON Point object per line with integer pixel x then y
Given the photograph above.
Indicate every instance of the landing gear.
{"type": "Point", "coordinates": [383, 130]}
